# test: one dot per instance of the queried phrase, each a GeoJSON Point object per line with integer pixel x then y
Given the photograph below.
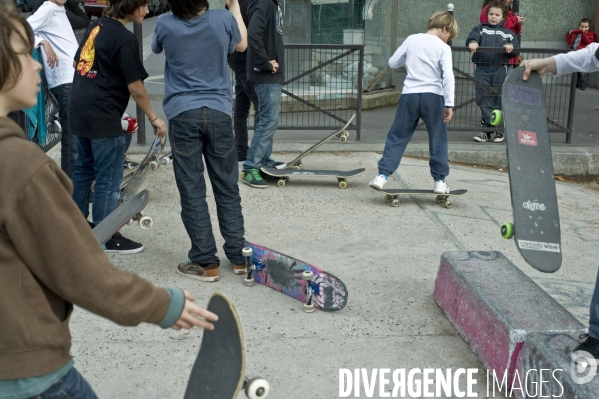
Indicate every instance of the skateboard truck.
{"type": "Point", "coordinates": [310, 289]}
{"type": "Point", "coordinates": [145, 222]}
{"type": "Point", "coordinates": [166, 160]}
{"type": "Point", "coordinates": [250, 266]}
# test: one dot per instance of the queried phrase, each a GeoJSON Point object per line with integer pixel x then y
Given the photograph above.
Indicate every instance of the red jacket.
{"type": "Point", "coordinates": [511, 22]}
{"type": "Point", "coordinates": [585, 40]}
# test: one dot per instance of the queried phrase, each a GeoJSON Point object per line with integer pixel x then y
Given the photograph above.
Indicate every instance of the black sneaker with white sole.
{"type": "Point", "coordinates": [589, 347]}
{"type": "Point", "coordinates": [483, 137]}
{"type": "Point", "coordinates": [122, 245]}
{"type": "Point", "coordinates": [498, 137]}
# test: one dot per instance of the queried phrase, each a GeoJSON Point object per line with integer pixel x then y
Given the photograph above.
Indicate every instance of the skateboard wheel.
{"type": "Point", "coordinates": [447, 204]}
{"type": "Point", "coordinates": [342, 184]}
{"type": "Point", "coordinates": [308, 308]}
{"type": "Point", "coordinates": [496, 118]}
{"type": "Point", "coordinates": [153, 165]}
{"type": "Point", "coordinates": [248, 282]}
{"type": "Point", "coordinates": [307, 275]}
{"type": "Point", "coordinates": [281, 183]}
{"type": "Point", "coordinates": [387, 197]}
{"type": "Point", "coordinates": [297, 167]}
{"type": "Point", "coordinates": [257, 388]}
{"type": "Point", "coordinates": [342, 138]}
{"type": "Point", "coordinates": [146, 222]}
{"type": "Point", "coordinates": [395, 202]}
{"type": "Point", "coordinates": [507, 230]}
{"type": "Point", "coordinates": [247, 252]}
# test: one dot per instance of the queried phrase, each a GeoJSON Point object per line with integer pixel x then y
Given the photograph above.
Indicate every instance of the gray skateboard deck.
{"type": "Point", "coordinates": [297, 162]}
{"type": "Point", "coordinates": [284, 174]}
{"type": "Point", "coordinates": [218, 371]}
{"type": "Point", "coordinates": [536, 226]}
{"type": "Point", "coordinates": [392, 195]}
{"type": "Point", "coordinates": [129, 210]}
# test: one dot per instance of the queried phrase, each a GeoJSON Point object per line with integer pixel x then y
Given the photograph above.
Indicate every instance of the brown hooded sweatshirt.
{"type": "Point", "coordinates": [50, 260]}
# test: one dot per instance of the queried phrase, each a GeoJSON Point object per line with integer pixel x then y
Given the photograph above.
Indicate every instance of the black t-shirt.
{"type": "Point", "coordinates": [107, 61]}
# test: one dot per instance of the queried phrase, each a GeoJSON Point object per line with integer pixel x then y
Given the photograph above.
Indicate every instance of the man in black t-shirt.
{"type": "Point", "coordinates": [107, 71]}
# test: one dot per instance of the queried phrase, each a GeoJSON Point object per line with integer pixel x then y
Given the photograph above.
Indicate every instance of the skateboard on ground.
{"type": "Point", "coordinates": [126, 213]}
{"type": "Point", "coordinates": [297, 162]}
{"type": "Point", "coordinates": [300, 280]}
{"type": "Point", "coordinates": [536, 226]}
{"type": "Point", "coordinates": [218, 371]}
{"type": "Point", "coordinates": [392, 195]}
{"type": "Point", "coordinates": [149, 162]}
{"type": "Point", "coordinates": [284, 174]}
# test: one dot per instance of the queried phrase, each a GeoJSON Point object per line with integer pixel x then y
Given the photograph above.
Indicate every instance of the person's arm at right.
{"type": "Point", "coordinates": [61, 251]}
{"type": "Point", "coordinates": [140, 96]}
{"type": "Point", "coordinates": [255, 35]}
{"type": "Point", "coordinates": [233, 6]}
{"type": "Point", "coordinates": [584, 60]}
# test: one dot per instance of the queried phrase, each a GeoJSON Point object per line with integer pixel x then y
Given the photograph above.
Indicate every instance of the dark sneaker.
{"type": "Point", "coordinates": [252, 178]}
{"type": "Point", "coordinates": [483, 137]}
{"type": "Point", "coordinates": [583, 86]}
{"type": "Point", "coordinates": [122, 245]}
{"type": "Point", "coordinates": [238, 269]}
{"type": "Point", "coordinates": [266, 176]}
{"type": "Point", "coordinates": [589, 347]}
{"type": "Point", "coordinates": [195, 271]}
{"type": "Point", "coordinates": [498, 137]}
{"type": "Point", "coordinates": [129, 164]}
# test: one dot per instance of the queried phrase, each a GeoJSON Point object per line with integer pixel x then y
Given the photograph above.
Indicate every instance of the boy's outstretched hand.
{"type": "Point", "coordinates": [541, 65]}
{"type": "Point", "coordinates": [448, 114]}
{"type": "Point", "coordinates": [193, 315]}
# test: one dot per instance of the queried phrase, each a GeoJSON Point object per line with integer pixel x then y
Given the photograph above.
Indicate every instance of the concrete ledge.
{"type": "Point", "coordinates": [552, 352]}
{"type": "Point", "coordinates": [381, 98]}
{"type": "Point", "coordinates": [494, 306]}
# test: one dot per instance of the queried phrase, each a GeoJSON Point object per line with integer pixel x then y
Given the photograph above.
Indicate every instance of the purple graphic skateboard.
{"type": "Point", "coordinates": [300, 280]}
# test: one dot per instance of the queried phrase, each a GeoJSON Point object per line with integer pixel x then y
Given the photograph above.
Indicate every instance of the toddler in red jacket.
{"type": "Point", "coordinates": [578, 39]}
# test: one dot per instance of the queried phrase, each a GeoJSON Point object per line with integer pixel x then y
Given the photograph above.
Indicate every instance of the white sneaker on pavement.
{"type": "Point", "coordinates": [379, 181]}
{"type": "Point", "coordinates": [441, 187]}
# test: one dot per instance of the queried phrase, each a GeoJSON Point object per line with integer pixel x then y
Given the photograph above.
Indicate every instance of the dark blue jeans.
{"type": "Point", "coordinates": [206, 135]}
{"type": "Point", "coordinates": [72, 385]}
{"type": "Point", "coordinates": [244, 97]}
{"type": "Point", "coordinates": [430, 107]}
{"type": "Point", "coordinates": [68, 141]}
{"type": "Point", "coordinates": [100, 160]}
{"type": "Point", "coordinates": [594, 311]}
{"type": "Point", "coordinates": [266, 121]}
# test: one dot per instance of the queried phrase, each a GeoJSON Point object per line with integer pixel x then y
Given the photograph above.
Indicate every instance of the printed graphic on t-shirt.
{"type": "Point", "coordinates": [279, 19]}
{"type": "Point", "coordinates": [88, 55]}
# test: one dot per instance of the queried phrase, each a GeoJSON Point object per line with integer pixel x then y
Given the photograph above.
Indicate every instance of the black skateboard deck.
{"type": "Point", "coordinates": [297, 162]}
{"type": "Point", "coordinates": [392, 195]}
{"type": "Point", "coordinates": [218, 371]}
{"type": "Point", "coordinates": [536, 226]}
{"type": "Point", "coordinates": [138, 177]}
{"type": "Point", "coordinates": [123, 214]}
{"type": "Point", "coordinates": [284, 174]}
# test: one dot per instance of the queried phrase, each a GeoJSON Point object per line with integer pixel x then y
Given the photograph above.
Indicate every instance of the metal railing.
{"type": "Point", "coordinates": [559, 93]}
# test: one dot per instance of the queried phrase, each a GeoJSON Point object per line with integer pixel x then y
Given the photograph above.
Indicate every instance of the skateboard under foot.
{"type": "Point", "coordinates": [392, 196]}
{"type": "Point", "coordinates": [218, 371]}
{"type": "Point", "coordinates": [300, 280]}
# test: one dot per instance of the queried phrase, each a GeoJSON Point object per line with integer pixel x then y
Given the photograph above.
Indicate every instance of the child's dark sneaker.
{"type": "Point", "coordinates": [129, 164]}
{"type": "Point", "coordinates": [195, 271]}
{"type": "Point", "coordinates": [498, 137]}
{"type": "Point", "coordinates": [482, 137]}
{"type": "Point", "coordinates": [589, 345]}
{"type": "Point", "coordinates": [122, 245]}
{"type": "Point", "coordinates": [252, 178]}
{"type": "Point", "coordinates": [238, 269]}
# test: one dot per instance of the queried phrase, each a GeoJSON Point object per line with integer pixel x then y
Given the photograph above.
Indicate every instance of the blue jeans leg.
{"type": "Point", "coordinates": [269, 107]}
{"type": "Point", "coordinates": [432, 112]}
{"type": "Point", "coordinates": [594, 311]}
{"type": "Point", "coordinates": [68, 141]}
{"type": "Point", "coordinates": [71, 385]}
{"type": "Point", "coordinates": [102, 160]}
{"type": "Point", "coordinates": [244, 97]}
{"type": "Point", "coordinates": [205, 135]}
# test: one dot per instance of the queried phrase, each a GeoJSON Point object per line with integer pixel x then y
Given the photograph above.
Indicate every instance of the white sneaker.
{"type": "Point", "coordinates": [441, 187]}
{"type": "Point", "coordinates": [379, 181]}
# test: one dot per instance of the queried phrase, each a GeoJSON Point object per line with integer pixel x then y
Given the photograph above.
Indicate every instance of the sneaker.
{"type": "Point", "coordinates": [441, 187]}
{"type": "Point", "coordinates": [583, 86]}
{"type": "Point", "coordinates": [238, 269]}
{"type": "Point", "coordinates": [379, 181]}
{"type": "Point", "coordinates": [129, 164]}
{"type": "Point", "coordinates": [588, 346]}
{"type": "Point", "coordinates": [280, 165]}
{"type": "Point", "coordinates": [197, 272]}
{"type": "Point", "coordinates": [483, 137]}
{"type": "Point", "coordinates": [498, 137]}
{"type": "Point", "coordinates": [122, 245]}
{"type": "Point", "coordinates": [252, 178]}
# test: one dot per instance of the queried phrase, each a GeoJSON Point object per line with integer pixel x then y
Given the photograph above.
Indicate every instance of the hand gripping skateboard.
{"type": "Point", "coordinates": [297, 162]}
{"type": "Point", "coordinates": [128, 211]}
{"type": "Point", "coordinates": [536, 226]}
{"type": "Point", "coordinates": [392, 196]}
{"type": "Point", "coordinates": [302, 281]}
{"type": "Point", "coordinates": [218, 371]}
{"type": "Point", "coordinates": [149, 162]}
{"type": "Point", "coordinates": [284, 174]}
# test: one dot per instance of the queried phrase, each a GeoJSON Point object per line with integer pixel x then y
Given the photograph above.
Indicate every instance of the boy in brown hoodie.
{"type": "Point", "coordinates": [50, 260]}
